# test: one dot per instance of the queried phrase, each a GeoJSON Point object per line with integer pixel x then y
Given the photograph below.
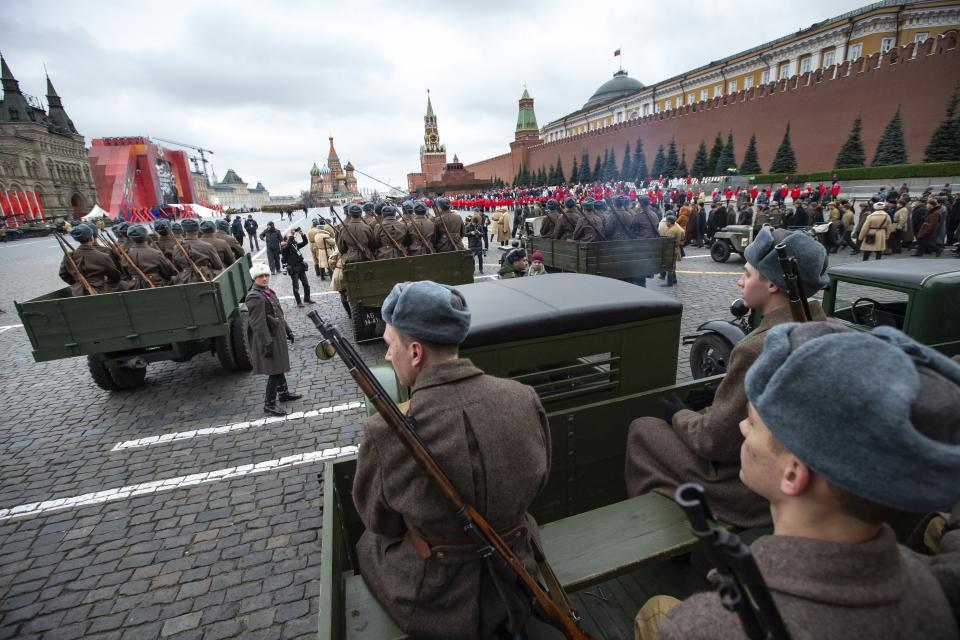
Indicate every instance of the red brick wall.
{"type": "Point", "coordinates": [821, 114]}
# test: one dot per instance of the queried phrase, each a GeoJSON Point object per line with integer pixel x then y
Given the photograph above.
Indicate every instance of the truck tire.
{"type": "Point", "coordinates": [223, 345]}
{"type": "Point", "coordinates": [241, 350]}
{"type": "Point", "coordinates": [129, 377]}
{"type": "Point", "coordinates": [709, 355]}
{"type": "Point", "coordinates": [364, 327]}
{"type": "Point", "coordinates": [101, 375]}
{"type": "Point", "coordinates": [720, 251]}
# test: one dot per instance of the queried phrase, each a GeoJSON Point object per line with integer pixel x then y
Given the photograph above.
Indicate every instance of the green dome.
{"type": "Point", "coordinates": [314, 170]}
{"type": "Point", "coordinates": [620, 85]}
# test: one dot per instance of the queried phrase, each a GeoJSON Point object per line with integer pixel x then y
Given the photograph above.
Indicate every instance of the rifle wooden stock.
{"type": "Point", "coordinates": [186, 255]}
{"type": "Point", "coordinates": [131, 264]}
{"type": "Point", "coordinates": [72, 265]}
{"type": "Point", "coordinates": [599, 233]}
{"type": "Point", "coordinates": [423, 239]}
{"type": "Point", "coordinates": [365, 250]}
{"type": "Point", "coordinates": [799, 307]}
{"type": "Point", "coordinates": [396, 244]}
{"type": "Point", "coordinates": [474, 524]}
{"type": "Point", "coordinates": [443, 224]}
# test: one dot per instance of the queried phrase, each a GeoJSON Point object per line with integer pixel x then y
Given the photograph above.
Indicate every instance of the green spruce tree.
{"type": "Point", "coordinates": [727, 158]}
{"type": "Point", "coordinates": [785, 160]}
{"type": "Point", "coordinates": [671, 164]}
{"type": "Point", "coordinates": [682, 171]}
{"type": "Point", "coordinates": [657, 170]}
{"type": "Point", "coordinates": [699, 168]}
{"type": "Point", "coordinates": [626, 167]}
{"type": "Point", "coordinates": [715, 153]}
{"type": "Point", "coordinates": [851, 153]}
{"type": "Point", "coordinates": [561, 178]}
{"type": "Point", "coordinates": [597, 171]}
{"type": "Point", "coordinates": [586, 176]}
{"type": "Point", "coordinates": [613, 173]}
{"type": "Point", "coordinates": [575, 171]}
{"type": "Point", "coordinates": [640, 162]}
{"type": "Point", "coordinates": [605, 167]}
{"type": "Point", "coordinates": [524, 175]}
{"type": "Point", "coordinates": [892, 148]}
{"type": "Point", "coordinates": [552, 175]}
{"type": "Point", "coordinates": [945, 142]}
{"type": "Point", "coordinates": [751, 162]}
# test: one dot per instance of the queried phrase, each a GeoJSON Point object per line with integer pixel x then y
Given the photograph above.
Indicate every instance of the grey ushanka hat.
{"type": "Point", "coordinates": [425, 310]}
{"type": "Point", "coordinates": [810, 254]}
{"type": "Point", "coordinates": [877, 414]}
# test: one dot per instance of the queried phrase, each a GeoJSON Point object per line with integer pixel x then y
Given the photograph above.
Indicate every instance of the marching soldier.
{"type": "Point", "coordinates": [96, 267]}
{"type": "Point", "coordinates": [393, 236]}
{"type": "Point", "coordinates": [315, 247]}
{"type": "Point", "coordinates": [408, 212]}
{"type": "Point", "coordinates": [590, 225]}
{"type": "Point", "coordinates": [645, 220]}
{"type": "Point", "coordinates": [150, 261]}
{"type": "Point", "coordinates": [567, 224]}
{"type": "Point", "coordinates": [223, 232]}
{"type": "Point", "coordinates": [422, 231]}
{"type": "Point", "coordinates": [207, 230]}
{"type": "Point", "coordinates": [199, 255]}
{"type": "Point", "coordinates": [120, 230]}
{"type": "Point", "coordinates": [550, 222]}
{"type": "Point", "coordinates": [449, 228]}
{"type": "Point", "coordinates": [370, 214]}
{"type": "Point", "coordinates": [106, 250]}
{"type": "Point", "coordinates": [165, 242]}
{"type": "Point", "coordinates": [356, 241]}
{"type": "Point", "coordinates": [620, 222]}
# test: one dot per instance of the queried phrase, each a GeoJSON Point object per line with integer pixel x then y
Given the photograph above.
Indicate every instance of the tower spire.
{"type": "Point", "coordinates": [15, 107]}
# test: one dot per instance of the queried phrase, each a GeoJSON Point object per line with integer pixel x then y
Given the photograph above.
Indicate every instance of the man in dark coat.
{"type": "Point", "coordinates": [148, 260]}
{"type": "Point", "coordinates": [98, 268]}
{"type": "Point", "coordinates": [689, 446]}
{"type": "Point", "coordinates": [267, 335]}
{"type": "Point", "coordinates": [236, 229]}
{"type": "Point", "coordinates": [834, 471]}
{"type": "Point", "coordinates": [449, 228]}
{"type": "Point", "coordinates": [356, 240]}
{"type": "Point", "coordinates": [474, 232]}
{"type": "Point", "coordinates": [414, 555]}
{"type": "Point", "coordinates": [296, 266]}
{"type": "Point", "coordinates": [273, 239]}
{"type": "Point", "coordinates": [518, 220]}
{"type": "Point", "coordinates": [223, 232]}
{"type": "Point", "coordinates": [250, 226]}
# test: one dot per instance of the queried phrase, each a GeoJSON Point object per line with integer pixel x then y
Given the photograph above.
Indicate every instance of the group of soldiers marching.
{"type": "Point", "coordinates": [132, 256]}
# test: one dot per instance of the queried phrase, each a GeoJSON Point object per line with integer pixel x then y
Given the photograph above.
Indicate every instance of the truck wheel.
{"type": "Point", "coordinates": [364, 322]}
{"type": "Point", "coordinates": [129, 377]}
{"type": "Point", "coordinates": [223, 345]}
{"type": "Point", "coordinates": [100, 374]}
{"type": "Point", "coordinates": [720, 251]}
{"type": "Point", "coordinates": [241, 350]}
{"type": "Point", "coordinates": [709, 355]}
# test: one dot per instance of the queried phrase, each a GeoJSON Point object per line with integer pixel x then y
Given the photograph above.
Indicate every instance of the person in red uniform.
{"type": "Point", "coordinates": [795, 192]}
{"type": "Point", "coordinates": [754, 192]}
{"type": "Point", "coordinates": [835, 190]}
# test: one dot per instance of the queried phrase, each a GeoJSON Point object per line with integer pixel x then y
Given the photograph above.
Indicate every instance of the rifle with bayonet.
{"type": "Point", "coordinates": [364, 249]}
{"type": "Point", "coordinates": [186, 255]}
{"type": "Point", "coordinates": [742, 589]}
{"type": "Point", "coordinates": [396, 245]}
{"type": "Point", "coordinates": [586, 218]}
{"type": "Point", "coordinates": [428, 245]}
{"type": "Point", "coordinates": [123, 254]}
{"type": "Point", "coordinates": [799, 307]}
{"type": "Point", "coordinates": [436, 211]}
{"type": "Point", "coordinates": [491, 546]}
{"type": "Point", "coordinates": [72, 265]}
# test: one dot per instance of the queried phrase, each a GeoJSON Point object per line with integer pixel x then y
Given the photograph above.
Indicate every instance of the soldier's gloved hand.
{"type": "Point", "coordinates": [267, 350]}
{"type": "Point", "coordinates": [290, 336]}
{"type": "Point", "coordinates": [671, 406]}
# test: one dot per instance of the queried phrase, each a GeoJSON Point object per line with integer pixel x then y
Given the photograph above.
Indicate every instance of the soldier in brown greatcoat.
{"type": "Point", "coordinates": [567, 224]}
{"type": "Point", "coordinates": [150, 261]}
{"type": "Point", "coordinates": [356, 241]}
{"type": "Point", "coordinates": [414, 555]}
{"type": "Point", "coordinates": [97, 267]}
{"type": "Point", "coordinates": [370, 214]}
{"type": "Point", "coordinates": [393, 235]}
{"type": "Point", "coordinates": [207, 234]}
{"type": "Point", "coordinates": [449, 228]}
{"type": "Point", "coordinates": [590, 224]}
{"type": "Point", "coordinates": [201, 254]}
{"type": "Point", "coordinates": [705, 447]}
{"type": "Point", "coordinates": [165, 241]}
{"type": "Point", "coordinates": [223, 232]}
{"type": "Point", "coordinates": [551, 221]}
{"type": "Point", "coordinates": [421, 237]}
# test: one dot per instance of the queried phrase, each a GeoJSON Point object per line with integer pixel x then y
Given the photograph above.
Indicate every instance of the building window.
{"type": "Point", "coordinates": [921, 37]}
{"type": "Point", "coordinates": [806, 64]}
{"type": "Point", "coordinates": [703, 94]}
{"type": "Point", "coordinates": [828, 57]}
{"type": "Point", "coordinates": [748, 82]}
{"type": "Point", "coordinates": [718, 91]}
{"type": "Point", "coordinates": [732, 86]}
{"type": "Point", "coordinates": [765, 77]}
{"type": "Point", "coordinates": [856, 50]}
{"type": "Point", "coordinates": [656, 108]}
{"type": "Point", "coordinates": [886, 44]}
{"type": "Point", "coordinates": [691, 98]}
{"type": "Point", "coordinates": [784, 71]}
{"type": "Point", "coordinates": [668, 104]}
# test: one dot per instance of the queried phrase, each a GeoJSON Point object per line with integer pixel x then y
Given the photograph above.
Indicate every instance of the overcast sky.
{"type": "Point", "coordinates": [262, 83]}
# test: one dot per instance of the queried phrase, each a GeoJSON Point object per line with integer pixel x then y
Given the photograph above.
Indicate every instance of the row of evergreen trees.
{"type": "Point", "coordinates": [944, 146]}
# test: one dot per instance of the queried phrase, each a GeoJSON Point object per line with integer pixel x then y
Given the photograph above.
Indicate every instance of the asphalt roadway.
{"type": "Point", "coordinates": [175, 510]}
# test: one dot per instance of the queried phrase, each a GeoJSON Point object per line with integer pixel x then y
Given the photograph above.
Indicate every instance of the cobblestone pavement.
{"type": "Point", "coordinates": [175, 510]}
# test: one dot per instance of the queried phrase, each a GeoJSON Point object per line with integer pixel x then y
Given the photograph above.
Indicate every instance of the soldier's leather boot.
{"type": "Point", "coordinates": [286, 396]}
{"type": "Point", "coordinates": [274, 409]}
{"type": "Point", "coordinates": [318, 270]}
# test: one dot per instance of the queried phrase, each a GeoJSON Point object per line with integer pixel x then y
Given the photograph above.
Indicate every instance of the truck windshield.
{"type": "Point", "coordinates": [870, 306]}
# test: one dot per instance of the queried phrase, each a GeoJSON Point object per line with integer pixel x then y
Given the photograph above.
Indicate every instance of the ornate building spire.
{"type": "Point", "coordinates": [57, 115]}
{"type": "Point", "coordinates": [333, 161]}
{"type": "Point", "coordinates": [526, 118]}
{"type": "Point", "coordinates": [13, 107]}
{"type": "Point", "coordinates": [431, 135]}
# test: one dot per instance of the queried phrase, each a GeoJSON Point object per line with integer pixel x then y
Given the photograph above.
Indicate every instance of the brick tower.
{"type": "Point", "coordinates": [433, 154]}
{"type": "Point", "coordinates": [526, 135]}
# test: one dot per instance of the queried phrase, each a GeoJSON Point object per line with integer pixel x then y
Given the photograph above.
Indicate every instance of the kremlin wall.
{"type": "Point", "coordinates": [820, 106]}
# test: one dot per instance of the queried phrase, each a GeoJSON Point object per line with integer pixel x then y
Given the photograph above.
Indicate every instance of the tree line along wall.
{"type": "Point", "coordinates": [821, 110]}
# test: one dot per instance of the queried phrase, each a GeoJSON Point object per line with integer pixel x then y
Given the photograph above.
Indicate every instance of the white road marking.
{"type": "Point", "coordinates": [176, 436]}
{"type": "Point", "coordinates": [180, 482]}
{"type": "Point", "coordinates": [312, 294]}
{"type": "Point", "coordinates": [10, 326]}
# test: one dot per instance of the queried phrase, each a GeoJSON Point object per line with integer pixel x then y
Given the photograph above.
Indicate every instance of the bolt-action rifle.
{"type": "Point", "coordinates": [186, 255]}
{"type": "Point", "coordinates": [742, 589]}
{"type": "Point", "coordinates": [436, 211]}
{"type": "Point", "coordinates": [587, 219]}
{"type": "Point", "coordinates": [72, 265]}
{"type": "Point", "coordinates": [393, 240]}
{"type": "Point", "coordinates": [130, 262]}
{"type": "Point", "coordinates": [423, 239]}
{"type": "Point", "coordinates": [799, 307]}
{"type": "Point", "coordinates": [364, 249]}
{"type": "Point", "coordinates": [491, 546]}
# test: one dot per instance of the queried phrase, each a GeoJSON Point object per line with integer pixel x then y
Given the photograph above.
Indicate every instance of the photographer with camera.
{"type": "Point", "coordinates": [296, 267]}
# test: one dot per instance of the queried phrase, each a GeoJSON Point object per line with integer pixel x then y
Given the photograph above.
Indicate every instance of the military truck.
{"type": "Point", "coordinates": [920, 297]}
{"type": "Point", "coordinates": [368, 283]}
{"type": "Point", "coordinates": [732, 239]}
{"type": "Point", "coordinates": [121, 333]}
{"type": "Point", "coordinates": [621, 259]}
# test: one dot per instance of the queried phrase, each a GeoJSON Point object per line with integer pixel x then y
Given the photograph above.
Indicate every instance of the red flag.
{"type": "Point", "coordinates": [5, 206]}
{"type": "Point", "coordinates": [36, 197]}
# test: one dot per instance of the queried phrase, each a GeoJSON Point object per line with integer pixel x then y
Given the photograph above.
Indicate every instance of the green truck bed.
{"type": "Point", "coordinates": [613, 259]}
{"type": "Point", "coordinates": [368, 283]}
{"type": "Point", "coordinates": [62, 326]}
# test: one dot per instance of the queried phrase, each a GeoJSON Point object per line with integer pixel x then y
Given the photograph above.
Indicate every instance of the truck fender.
{"type": "Point", "coordinates": [731, 332]}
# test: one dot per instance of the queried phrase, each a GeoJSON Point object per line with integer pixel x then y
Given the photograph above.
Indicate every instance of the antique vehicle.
{"type": "Point", "coordinates": [35, 229]}
{"type": "Point", "coordinates": [920, 297]}
{"type": "Point", "coordinates": [121, 333]}
{"type": "Point", "coordinates": [368, 283]}
{"type": "Point", "coordinates": [621, 259]}
{"type": "Point", "coordinates": [729, 240]}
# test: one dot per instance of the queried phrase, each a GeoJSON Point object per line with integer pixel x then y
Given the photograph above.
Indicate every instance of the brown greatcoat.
{"type": "Point", "coordinates": [223, 249]}
{"type": "Point", "coordinates": [356, 241]}
{"type": "Point", "coordinates": [202, 254]}
{"type": "Point", "coordinates": [266, 326]}
{"type": "Point", "coordinates": [502, 223]}
{"type": "Point", "coordinates": [235, 246]}
{"type": "Point", "coordinates": [452, 223]}
{"type": "Point", "coordinates": [153, 264]}
{"type": "Point", "coordinates": [427, 230]}
{"type": "Point", "coordinates": [567, 224]}
{"type": "Point", "coordinates": [548, 226]}
{"type": "Point", "coordinates": [705, 447]}
{"type": "Point", "coordinates": [873, 590]}
{"type": "Point", "coordinates": [498, 459]}
{"type": "Point", "coordinates": [322, 245]}
{"type": "Point", "coordinates": [877, 222]}
{"type": "Point", "coordinates": [168, 246]}
{"type": "Point", "coordinates": [97, 267]}
{"type": "Point", "coordinates": [585, 232]}
{"type": "Point", "coordinates": [396, 229]}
